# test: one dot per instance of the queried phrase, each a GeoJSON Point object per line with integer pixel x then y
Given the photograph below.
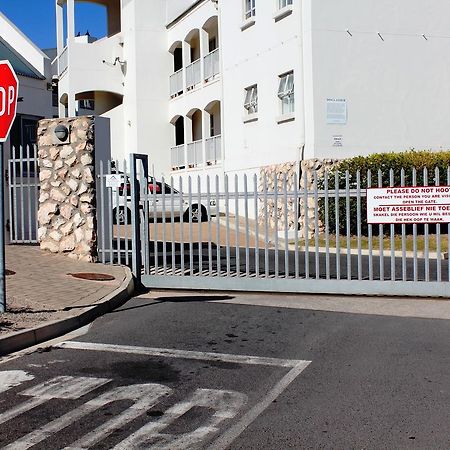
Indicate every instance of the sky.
{"type": "Point", "coordinates": [36, 19]}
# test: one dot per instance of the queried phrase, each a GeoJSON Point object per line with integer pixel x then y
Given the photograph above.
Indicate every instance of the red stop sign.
{"type": "Point", "coordinates": [9, 89]}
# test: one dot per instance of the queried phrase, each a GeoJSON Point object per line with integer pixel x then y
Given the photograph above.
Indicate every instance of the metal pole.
{"type": "Point", "coordinates": [2, 234]}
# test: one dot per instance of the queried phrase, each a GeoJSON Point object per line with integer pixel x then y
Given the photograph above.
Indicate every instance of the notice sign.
{"type": "Point", "coordinates": [430, 204]}
{"type": "Point", "coordinates": [336, 111]}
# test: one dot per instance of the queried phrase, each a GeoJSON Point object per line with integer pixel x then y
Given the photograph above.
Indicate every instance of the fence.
{"type": "Point", "coordinates": [265, 233]}
{"type": "Point", "coordinates": [23, 192]}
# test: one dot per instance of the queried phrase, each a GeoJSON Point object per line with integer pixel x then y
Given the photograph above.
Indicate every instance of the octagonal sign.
{"type": "Point", "coordinates": [9, 90]}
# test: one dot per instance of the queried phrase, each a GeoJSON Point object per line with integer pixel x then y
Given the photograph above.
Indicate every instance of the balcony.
{"type": "Point", "coordinates": [213, 149]}
{"type": "Point", "coordinates": [93, 66]}
{"type": "Point", "coordinates": [195, 153]}
{"type": "Point", "coordinates": [177, 157]}
{"type": "Point", "coordinates": [211, 65]}
{"type": "Point", "coordinates": [193, 74]}
{"type": "Point", "coordinates": [211, 69]}
{"type": "Point", "coordinates": [176, 83]}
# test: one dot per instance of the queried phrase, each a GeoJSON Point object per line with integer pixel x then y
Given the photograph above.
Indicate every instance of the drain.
{"type": "Point", "coordinates": [9, 272]}
{"type": "Point", "coordinates": [92, 276]}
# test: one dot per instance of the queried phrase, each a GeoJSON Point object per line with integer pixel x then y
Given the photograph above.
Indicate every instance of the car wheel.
{"type": "Point", "coordinates": [196, 214]}
{"type": "Point", "coordinates": [120, 216]}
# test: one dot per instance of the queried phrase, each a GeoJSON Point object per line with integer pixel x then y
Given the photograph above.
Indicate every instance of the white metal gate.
{"type": "Point", "coordinates": [242, 233]}
{"type": "Point", "coordinates": [23, 193]}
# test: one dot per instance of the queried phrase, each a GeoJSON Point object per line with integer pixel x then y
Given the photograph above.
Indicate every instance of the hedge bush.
{"type": "Point", "coordinates": [391, 165]}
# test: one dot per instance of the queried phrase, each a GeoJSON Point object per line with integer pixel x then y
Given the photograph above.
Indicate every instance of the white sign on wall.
{"type": "Point", "coordinates": [429, 204]}
{"type": "Point", "coordinates": [336, 111]}
{"type": "Point", "coordinates": [113, 181]}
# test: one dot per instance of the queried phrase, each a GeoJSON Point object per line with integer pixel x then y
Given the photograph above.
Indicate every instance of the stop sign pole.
{"type": "Point", "coordinates": [9, 89]}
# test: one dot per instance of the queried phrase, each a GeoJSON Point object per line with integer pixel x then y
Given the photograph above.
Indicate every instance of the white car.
{"type": "Point", "coordinates": [160, 203]}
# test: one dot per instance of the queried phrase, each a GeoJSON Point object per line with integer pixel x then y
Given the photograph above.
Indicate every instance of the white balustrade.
{"type": "Point", "coordinates": [195, 153]}
{"type": "Point", "coordinates": [63, 61]}
{"type": "Point", "coordinates": [193, 74]}
{"type": "Point", "coordinates": [212, 64]}
{"type": "Point", "coordinates": [176, 83]}
{"type": "Point", "coordinates": [177, 156]}
{"type": "Point", "coordinates": [213, 149]}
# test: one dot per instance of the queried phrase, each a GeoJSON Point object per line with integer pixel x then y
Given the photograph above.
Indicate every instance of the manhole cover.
{"type": "Point", "coordinates": [9, 272]}
{"type": "Point", "coordinates": [92, 276]}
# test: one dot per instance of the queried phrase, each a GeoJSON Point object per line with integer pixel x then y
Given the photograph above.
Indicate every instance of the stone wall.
{"type": "Point", "coordinates": [308, 167]}
{"type": "Point", "coordinates": [67, 197]}
{"type": "Point", "coordinates": [275, 176]}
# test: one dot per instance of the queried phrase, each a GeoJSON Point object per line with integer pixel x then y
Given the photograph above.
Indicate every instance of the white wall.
{"type": "Point", "coordinates": [397, 90]}
{"type": "Point", "coordinates": [258, 55]}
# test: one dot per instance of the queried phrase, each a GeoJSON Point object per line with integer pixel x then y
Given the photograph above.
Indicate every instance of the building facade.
{"type": "Point", "coordinates": [229, 87]}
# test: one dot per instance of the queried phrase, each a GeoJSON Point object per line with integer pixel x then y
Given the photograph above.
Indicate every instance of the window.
{"type": "Point", "coordinates": [86, 104]}
{"type": "Point", "coordinates": [251, 99]}
{"type": "Point", "coordinates": [286, 93]}
{"type": "Point", "coordinates": [283, 3]}
{"type": "Point", "coordinates": [250, 9]}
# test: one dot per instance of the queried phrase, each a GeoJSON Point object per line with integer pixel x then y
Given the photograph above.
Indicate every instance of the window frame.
{"type": "Point", "coordinates": [284, 4]}
{"type": "Point", "coordinates": [251, 99]}
{"type": "Point", "coordinates": [286, 92]}
{"type": "Point", "coordinates": [249, 9]}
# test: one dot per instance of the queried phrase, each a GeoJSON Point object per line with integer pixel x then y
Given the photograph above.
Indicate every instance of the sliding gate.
{"type": "Point", "coordinates": [278, 233]}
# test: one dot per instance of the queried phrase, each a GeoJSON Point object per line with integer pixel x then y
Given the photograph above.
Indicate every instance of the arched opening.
{"type": "Point", "coordinates": [211, 42]}
{"type": "Point", "coordinates": [195, 136]}
{"type": "Point", "coordinates": [192, 59]}
{"type": "Point", "coordinates": [213, 125]}
{"type": "Point", "coordinates": [97, 102]}
{"type": "Point", "coordinates": [177, 153]}
{"type": "Point", "coordinates": [176, 79]}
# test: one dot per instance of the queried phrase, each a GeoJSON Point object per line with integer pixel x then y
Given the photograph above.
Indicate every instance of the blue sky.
{"type": "Point", "coordinates": [36, 18]}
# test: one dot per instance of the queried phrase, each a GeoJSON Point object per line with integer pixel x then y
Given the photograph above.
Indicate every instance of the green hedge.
{"type": "Point", "coordinates": [391, 165]}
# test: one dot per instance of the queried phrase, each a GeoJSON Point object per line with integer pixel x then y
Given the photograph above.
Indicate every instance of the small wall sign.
{"type": "Point", "coordinates": [336, 111]}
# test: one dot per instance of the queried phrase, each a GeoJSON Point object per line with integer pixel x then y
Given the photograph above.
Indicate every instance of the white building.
{"type": "Point", "coordinates": [33, 69]}
{"type": "Point", "coordinates": [230, 86]}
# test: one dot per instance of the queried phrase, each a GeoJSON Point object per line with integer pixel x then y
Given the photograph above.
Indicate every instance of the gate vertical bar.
{"type": "Point", "coordinates": [164, 238]}
{"type": "Point", "coordinates": [306, 224]}
{"type": "Point", "coordinates": [296, 218]}
{"type": "Point", "coordinates": [275, 216]}
{"type": "Point", "coordinates": [316, 225]}
{"type": "Point", "coordinates": [438, 236]}
{"type": "Point", "coordinates": [415, 262]}
{"type": "Point", "coordinates": [358, 222]}
{"type": "Point", "coordinates": [247, 228]}
{"type": "Point", "coordinates": [392, 231]}
{"type": "Point", "coordinates": [181, 196]}
{"type": "Point", "coordinates": [337, 225]}
{"type": "Point", "coordinates": [266, 229]}
{"type": "Point", "coordinates": [286, 227]}
{"type": "Point", "coordinates": [136, 256]}
{"type": "Point", "coordinates": [326, 202]}
{"type": "Point", "coordinates": [404, 272]}
{"type": "Point", "coordinates": [426, 234]}
{"type": "Point", "coordinates": [30, 229]}
{"type": "Point", "coordinates": [227, 225]}
{"type": "Point", "coordinates": [256, 193]}
{"type": "Point", "coordinates": [22, 208]}
{"type": "Point", "coordinates": [347, 225]}
{"type": "Point", "coordinates": [172, 225]}
{"type": "Point", "coordinates": [237, 256]}
{"type": "Point", "coordinates": [370, 232]}
{"type": "Point", "coordinates": [218, 245]}
{"type": "Point", "coordinates": [191, 239]}
{"type": "Point", "coordinates": [208, 212]}
{"type": "Point", "coordinates": [127, 217]}
{"type": "Point", "coordinates": [381, 234]}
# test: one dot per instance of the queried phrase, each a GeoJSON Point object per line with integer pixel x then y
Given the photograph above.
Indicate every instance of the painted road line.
{"type": "Point", "coordinates": [225, 404]}
{"type": "Point", "coordinates": [233, 433]}
{"type": "Point", "coordinates": [59, 387]}
{"type": "Point", "coordinates": [13, 378]}
{"type": "Point", "coordinates": [144, 396]}
{"type": "Point", "coordinates": [183, 354]}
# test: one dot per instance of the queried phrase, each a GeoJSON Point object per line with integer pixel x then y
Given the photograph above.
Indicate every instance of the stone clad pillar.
{"type": "Point", "coordinates": [67, 207]}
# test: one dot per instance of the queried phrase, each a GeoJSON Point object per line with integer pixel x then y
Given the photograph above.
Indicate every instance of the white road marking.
{"type": "Point", "coordinates": [59, 387]}
{"type": "Point", "coordinates": [13, 378]}
{"type": "Point", "coordinates": [225, 404]}
{"type": "Point", "coordinates": [232, 433]}
{"type": "Point", "coordinates": [145, 397]}
{"type": "Point", "coordinates": [183, 354]}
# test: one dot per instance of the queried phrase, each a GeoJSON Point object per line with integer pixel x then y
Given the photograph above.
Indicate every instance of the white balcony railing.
{"type": "Point", "coordinates": [213, 149]}
{"type": "Point", "coordinates": [177, 157]}
{"type": "Point", "coordinates": [195, 153]}
{"type": "Point", "coordinates": [63, 61]}
{"type": "Point", "coordinates": [212, 64]}
{"type": "Point", "coordinates": [193, 74]}
{"type": "Point", "coordinates": [176, 83]}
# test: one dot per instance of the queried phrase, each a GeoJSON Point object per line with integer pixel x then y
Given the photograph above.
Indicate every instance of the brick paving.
{"type": "Point", "coordinates": [41, 290]}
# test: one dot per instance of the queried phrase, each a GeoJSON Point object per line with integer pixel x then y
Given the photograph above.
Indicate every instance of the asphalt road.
{"type": "Point", "coordinates": [184, 372]}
